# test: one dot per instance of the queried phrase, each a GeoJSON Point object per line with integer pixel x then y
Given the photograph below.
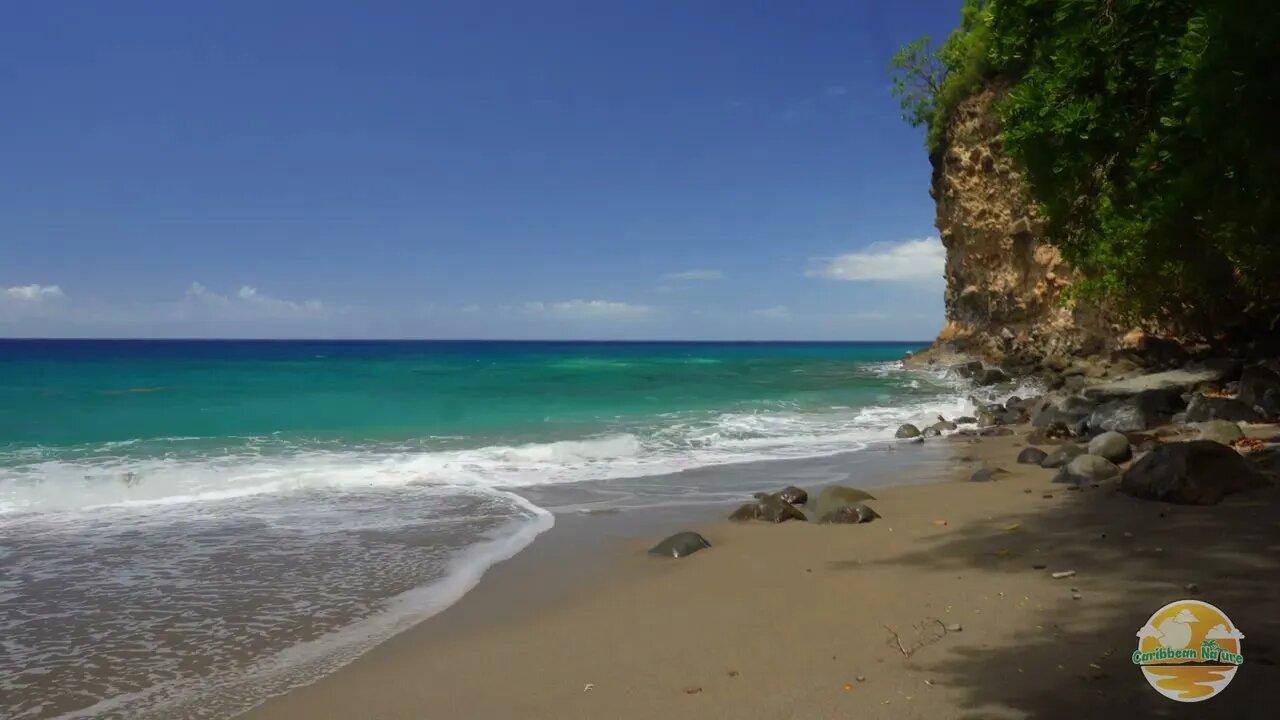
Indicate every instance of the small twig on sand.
{"type": "Point", "coordinates": [921, 641]}
{"type": "Point", "coordinates": [897, 640]}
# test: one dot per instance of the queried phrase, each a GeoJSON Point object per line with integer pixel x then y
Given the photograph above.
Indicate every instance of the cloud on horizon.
{"type": "Point", "coordinates": [909, 260]}
{"type": "Point", "coordinates": [588, 310]}
{"type": "Point", "coordinates": [32, 293]}
{"type": "Point", "coordinates": [249, 303]}
{"type": "Point", "coordinates": [694, 275]}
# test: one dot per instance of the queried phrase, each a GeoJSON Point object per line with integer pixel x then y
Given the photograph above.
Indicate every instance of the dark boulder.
{"type": "Point", "coordinates": [969, 369]}
{"type": "Point", "coordinates": [1197, 472]}
{"type": "Point", "coordinates": [907, 430]}
{"type": "Point", "coordinates": [944, 424]}
{"type": "Point", "coordinates": [990, 376]}
{"type": "Point", "coordinates": [1062, 455]}
{"type": "Point", "coordinates": [849, 515]}
{"type": "Point", "coordinates": [1204, 409]}
{"type": "Point", "coordinates": [966, 420]}
{"type": "Point", "coordinates": [680, 544]}
{"type": "Point", "coordinates": [790, 494]}
{"type": "Point", "coordinates": [770, 508]}
{"type": "Point", "coordinates": [1047, 436]}
{"type": "Point", "coordinates": [995, 431]}
{"type": "Point", "coordinates": [1086, 468]}
{"type": "Point", "coordinates": [1142, 411]}
{"type": "Point", "coordinates": [986, 474]}
{"type": "Point", "coordinates": [930, 431]}
{"type": "Point", "coordinates": [834, 497]}
{"type": "Point", "coordinates": [1260, 389]}
{"type": "Point", "coordinates": [1032, 456]}
{"type": "Point", "coordinates": [1111, 445]}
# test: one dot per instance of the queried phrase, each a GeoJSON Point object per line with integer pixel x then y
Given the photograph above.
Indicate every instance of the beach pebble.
{"type": "Point", "coordinates": [1193, 588]}
{"type": "Point", "coordinates": [692, 690]}
{"type": "Point", "coordinates": [954, 627]}
{"type": "Point", "coordinates": [1039, 566]}
{"type": "Point", "coordinates": [861, 678]}
{"type": "Point", "coordinates": [1032, 456]}
{"type": "Point", "coordinates": [680, 545]}
{"type": "Point", "coordinates": [849, 514]}
{"type": "Point", "coordinates": [985, 474]}
{"type": "Point", "coordinates": [1063, 574]}
{"type": "Point", "coordinates": [1075, 595]}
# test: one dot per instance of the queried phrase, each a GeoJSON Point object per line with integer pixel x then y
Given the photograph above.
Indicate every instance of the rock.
{"type": "Point", "coordinates": [995, 432]}
{"type": "Point", "coordinates": [944, 424]}
{"type": "Point", "coordinates": [1032, 456]}
{"type": "Point", "coordinates": [955, 627]}
{"type": "Point", "coordinates": [1111, 445]}
{"type": "Point", "coordinates": [1178, 381]}
{"type": "Point", "coordinates": [990, 376]}
{"type": "Point", "coordinates": [1086, 468]}
{"type": "Point", "coordinates": [930, 431]}
{"type": "Point", "coordinates": [1259, 388]}
{"type": "Point", "coordinates": [834, 497]}
{"type": "Point", "coordinates": [1062, 455]}
{"type": "Point", "coordinates": [1059, 422]}
{"type": "Point", "coordinates": [1197, 472]}
{"type": "Point", "coordinates": [1062, 574]}
{"type": "Point", "coordinates": [988, 417]}
{"type": "Point", "coordinates": [1012, 417]}
{"type": "Point", "coordinates": [1219, 431]}
{"type": "Point", "coordinates": [968, 370]}
{"type": "Point", "coordinates": [1142, 411]}
{"type": "Point", "coordinates": [1013, 403]}
{"type": "Point", "coordinates": [745, 512]}
{"type": "Point", "coordinates": [776, 510]}
{"type": "Point", "coordinates": [849, 515]}
{"type": "Point", "coordinates": [1203, 409]}
{"type": "Point", "coordinates": [1074, 384]}
{"type": "Point", "coordinates": [985, 474]}
{"type": "Point", "coordinates": [1047, 436]}
{"type": "Point", "coordinates": [793, 495]}
{"type": "Point", "coordinates": [680, 544]}
{"type": "Point", "coordinates": [907, 430]}
{"type": "Point", "coordinates": [966, 420]}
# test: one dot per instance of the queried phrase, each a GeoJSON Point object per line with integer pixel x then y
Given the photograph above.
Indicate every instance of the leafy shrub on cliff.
{"type": "Point", "coordinates": [1150, 133]}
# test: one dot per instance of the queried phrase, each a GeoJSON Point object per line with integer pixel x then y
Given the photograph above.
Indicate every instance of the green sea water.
{"type": "Point", "coordinates": [188, 527]}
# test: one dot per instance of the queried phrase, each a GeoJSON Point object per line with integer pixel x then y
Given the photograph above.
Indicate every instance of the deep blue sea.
{"type": "Point", "coordinates": [186, 526]}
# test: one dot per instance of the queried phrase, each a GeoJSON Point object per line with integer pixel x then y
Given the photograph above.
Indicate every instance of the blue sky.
{"type": "Point", "coordinates": [593, 169]}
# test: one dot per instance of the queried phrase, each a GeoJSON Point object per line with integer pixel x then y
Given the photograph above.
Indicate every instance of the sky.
{"type": "Point", "coordinates": [596, 169]}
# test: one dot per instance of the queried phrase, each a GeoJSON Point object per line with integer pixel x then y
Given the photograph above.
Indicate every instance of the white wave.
{"type": "Point", "coordinates": [52, 484]}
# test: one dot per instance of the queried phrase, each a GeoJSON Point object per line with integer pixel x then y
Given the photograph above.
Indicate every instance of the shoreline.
{"type": "Point", "coordinates": [782, 621]}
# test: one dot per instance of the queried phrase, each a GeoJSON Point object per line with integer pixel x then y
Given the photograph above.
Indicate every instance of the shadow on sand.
{"type": "Point", "coordinates": [1077, 664]}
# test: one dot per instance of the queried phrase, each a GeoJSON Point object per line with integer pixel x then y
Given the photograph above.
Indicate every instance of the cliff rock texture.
{"type": "Point", "coordinates": [1003, 286]}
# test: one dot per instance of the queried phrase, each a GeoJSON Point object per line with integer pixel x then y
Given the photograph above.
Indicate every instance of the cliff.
{"type": "Point", "coordinates": [1004, 286]}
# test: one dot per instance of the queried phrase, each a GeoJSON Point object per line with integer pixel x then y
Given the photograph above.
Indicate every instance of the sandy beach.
{"type": "Point", "coordinates": [944, 608]}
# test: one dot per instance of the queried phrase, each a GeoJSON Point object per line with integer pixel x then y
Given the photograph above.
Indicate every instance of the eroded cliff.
{"type": "Point", "coordinates": [1004, 286]}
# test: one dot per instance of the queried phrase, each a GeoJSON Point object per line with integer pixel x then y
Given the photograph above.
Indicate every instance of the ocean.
{"type": "Point", "coordinates": [187, 527]}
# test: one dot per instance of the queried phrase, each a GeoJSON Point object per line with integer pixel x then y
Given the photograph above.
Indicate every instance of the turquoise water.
{"type": "Point", "coordinates": [77, 392]}
{"type": "Point", "coordinates": [188, 527]}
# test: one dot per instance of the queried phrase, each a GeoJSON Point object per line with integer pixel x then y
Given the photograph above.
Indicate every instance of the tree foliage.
{"type": "Point", "coordinates": [1150, 133]}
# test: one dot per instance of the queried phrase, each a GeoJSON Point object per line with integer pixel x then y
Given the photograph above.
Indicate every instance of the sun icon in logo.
{"type": "Point", "coordinates": [1189, 650]}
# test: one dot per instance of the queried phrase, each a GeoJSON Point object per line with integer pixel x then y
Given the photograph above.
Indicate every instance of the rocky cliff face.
{"type": "Point", "coordinates": [1004, 287]}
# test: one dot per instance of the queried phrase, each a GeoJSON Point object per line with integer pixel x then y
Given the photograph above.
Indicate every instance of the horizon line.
{"type": "Point", "coordinates": [406, 339]}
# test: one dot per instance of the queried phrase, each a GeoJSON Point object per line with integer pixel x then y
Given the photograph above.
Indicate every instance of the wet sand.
{"type": "Point", "coordinates": [939, 610]}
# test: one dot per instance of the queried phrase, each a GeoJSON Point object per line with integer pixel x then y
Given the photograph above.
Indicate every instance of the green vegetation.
{"type": "Point", "coordinates": [1150, 134]}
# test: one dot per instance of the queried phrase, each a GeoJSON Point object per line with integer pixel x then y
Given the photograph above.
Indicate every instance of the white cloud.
{"type": "Point", "coordinates": [1148, 631]}
{"type": "Point", "coordinates": [694, 275]}
{"type": "Point", "coordinates": [33, 293]}
{"type": "Point", "coordinates": [1220, 632]}
{"type": "Point", "coordinates": [249, 303]}
{"type": "Point", "coordinates": [777, 312]}
{"type": "Point", "coordinates": [1185, 616]}
{"type": "Point", "coordinates": [922, 259]}
{"type": "Point", "coordinates": [588, 310]}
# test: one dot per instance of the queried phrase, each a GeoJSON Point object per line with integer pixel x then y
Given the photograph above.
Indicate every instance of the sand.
{"type": "Point", "coordinates": [945, 608]}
